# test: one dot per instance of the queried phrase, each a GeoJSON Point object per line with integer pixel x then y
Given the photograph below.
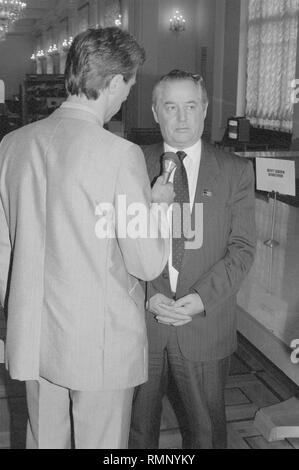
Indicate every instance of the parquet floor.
{"type": "Point", "coordinates": [253, 383]}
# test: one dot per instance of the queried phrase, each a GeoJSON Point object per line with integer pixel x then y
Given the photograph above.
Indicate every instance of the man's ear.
{"type": "Point", "coordinates": [155, 114]}
{"type": "Point", "coordinates": [115, 83]}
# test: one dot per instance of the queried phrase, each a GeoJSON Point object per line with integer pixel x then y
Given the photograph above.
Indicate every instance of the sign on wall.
{"type": "Point", "coordinates": [276, 175]}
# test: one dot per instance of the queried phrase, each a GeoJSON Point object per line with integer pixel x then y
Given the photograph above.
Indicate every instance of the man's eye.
{"type": "Point", "coordinates": [170, 108]}
{"type": "Point", "coordinates": [191, 107]}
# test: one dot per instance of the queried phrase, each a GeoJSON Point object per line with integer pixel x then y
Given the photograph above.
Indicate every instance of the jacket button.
{"type": "Point", "coordinates": [165, 276]}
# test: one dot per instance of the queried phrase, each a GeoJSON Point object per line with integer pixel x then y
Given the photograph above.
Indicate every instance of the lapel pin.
{"type": "Point", "coordinates": [207, 193]}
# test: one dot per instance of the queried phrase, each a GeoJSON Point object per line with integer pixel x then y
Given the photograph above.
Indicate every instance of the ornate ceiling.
{"type": "Point", "coordinates": [37, 14]}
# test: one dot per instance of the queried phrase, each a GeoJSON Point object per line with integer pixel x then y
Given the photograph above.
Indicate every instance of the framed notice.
{"type": "Point", "coordinates": [274, 175]}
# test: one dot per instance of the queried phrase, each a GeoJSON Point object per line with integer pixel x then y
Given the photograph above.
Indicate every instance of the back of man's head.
{"type": "Point", "coordinates": [96, 56]}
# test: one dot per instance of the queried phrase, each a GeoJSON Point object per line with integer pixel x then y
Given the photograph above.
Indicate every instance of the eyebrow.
{"type": "Point", "coordinates": [187, 102]}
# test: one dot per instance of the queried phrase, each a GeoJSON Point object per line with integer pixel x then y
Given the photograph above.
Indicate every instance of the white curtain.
{"type": "Point", "coordinates": [271, 66]}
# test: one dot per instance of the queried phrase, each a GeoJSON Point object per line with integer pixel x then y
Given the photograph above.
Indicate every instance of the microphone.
{"type": "Point", "coordinates": [170, 161]}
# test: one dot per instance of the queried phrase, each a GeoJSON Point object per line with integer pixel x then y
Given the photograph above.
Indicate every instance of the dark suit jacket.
{"type": "Point", "coordinates": [215, 271]}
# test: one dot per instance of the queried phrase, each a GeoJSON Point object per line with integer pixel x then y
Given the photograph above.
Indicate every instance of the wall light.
{"type": "Point", "coordinates": [67, 44]}
{"type": "Point", "coordinates": [40, 54]}
{"type": "Point", "coordinates": [118, 22]}
{"type": "Point", "coordinates": [177, 23]}
{"type": "Point", "coordinates": [53, 50]}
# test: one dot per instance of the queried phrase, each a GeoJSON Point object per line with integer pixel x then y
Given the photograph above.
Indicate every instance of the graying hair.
{"type": "Point", "coordinates": [176, 75]}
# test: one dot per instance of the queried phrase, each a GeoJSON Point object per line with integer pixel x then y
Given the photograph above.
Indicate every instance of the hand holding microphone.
{"type": "Point", "coordinates": [162, 191]}
{"type": "Point", "coordinates": [170, 161]}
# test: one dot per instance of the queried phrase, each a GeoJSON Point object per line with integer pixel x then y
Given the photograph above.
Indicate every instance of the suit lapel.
{"type": "Point", "coordinates": [206, 189]}
{"type": "Point", "coordinates": [207, 177]}
{"type": "Point", "coordinates": [153, 159]}
{"type": "Point", "coordinates": [153, 155]}
{"type": "Point", "coordinates": [209, 171]}
{"type": "Point", "coordinates": [206, 180]}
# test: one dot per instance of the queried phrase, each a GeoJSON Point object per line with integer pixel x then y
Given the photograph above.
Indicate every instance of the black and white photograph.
{"type": "Point", "coordinates": [149, 227]}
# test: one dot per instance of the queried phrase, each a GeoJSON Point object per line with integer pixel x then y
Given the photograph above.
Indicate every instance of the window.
{"type": "Point", "coordinates": [271, 63]}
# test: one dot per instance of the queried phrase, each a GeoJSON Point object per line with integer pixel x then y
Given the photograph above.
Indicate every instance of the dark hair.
{"type": "Point", "coordinates": [96, 56]}
{"type": "Point", "coordinates": [176, 75]}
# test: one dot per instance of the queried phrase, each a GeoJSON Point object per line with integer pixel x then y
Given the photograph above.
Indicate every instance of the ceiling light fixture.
{"type": "Point", "coordinates": [10, 11]}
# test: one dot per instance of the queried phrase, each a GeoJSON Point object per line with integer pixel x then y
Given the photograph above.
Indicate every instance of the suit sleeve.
{"type": "Point", "coordinates": [5, 253]}
{"type": "Point", "coordinates": [145, 245]}
{"type": "Point", "coordinates": [226, 276]}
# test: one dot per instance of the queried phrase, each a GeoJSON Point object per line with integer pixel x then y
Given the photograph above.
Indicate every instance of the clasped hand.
{"type": "Point", "coordinates": [176, 313]}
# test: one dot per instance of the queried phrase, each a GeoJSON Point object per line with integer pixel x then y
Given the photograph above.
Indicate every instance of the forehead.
{"type": "Point", "coordinates": [179, 91]}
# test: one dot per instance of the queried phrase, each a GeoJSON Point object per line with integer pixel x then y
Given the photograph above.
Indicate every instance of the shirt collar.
{"type": "Point", "coordinates": [193, 152]}
{"type": "Point", "coordinates": [82, 107]}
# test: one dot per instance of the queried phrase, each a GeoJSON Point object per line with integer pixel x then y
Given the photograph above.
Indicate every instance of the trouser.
{"type": "Point", "coordinates": [98, 419]}
{"type": "Point", "coordinates": [196, 391]}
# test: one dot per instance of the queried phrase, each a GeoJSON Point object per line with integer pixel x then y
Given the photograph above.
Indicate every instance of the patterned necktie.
{"type": "Point", "coordinates": [180, 210]}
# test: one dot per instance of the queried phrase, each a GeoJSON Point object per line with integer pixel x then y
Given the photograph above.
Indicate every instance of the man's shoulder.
{"type": "Point", "coordinates": [227, 161]}
{"type": "Point", "coordinates": [22, 134]}
{"type": "Point", "coordinates": [152, 154]}
{"type": "Point", "coordinates": [118, 141]}
{"type": "Point", "coordinates": [153, 150]}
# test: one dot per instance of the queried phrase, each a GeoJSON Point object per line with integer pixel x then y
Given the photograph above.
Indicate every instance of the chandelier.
{"type": "Point", "coordinates": [177, 22]}
{"type": "Point", "coordinates": [67, 44]}
{"type": "Point", "coordinates": [10, 11]}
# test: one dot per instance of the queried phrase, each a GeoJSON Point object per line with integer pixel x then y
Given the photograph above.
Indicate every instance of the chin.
{"type": "Point", "coordinates": [183, 136]}
{"type": "Point", "coordinates": [183, 142]}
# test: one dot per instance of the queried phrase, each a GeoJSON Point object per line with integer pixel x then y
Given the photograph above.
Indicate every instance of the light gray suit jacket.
{"type": "Point", "coordinates": [225, 188]}
{"type": "Point", "coordinates": [75, 307]}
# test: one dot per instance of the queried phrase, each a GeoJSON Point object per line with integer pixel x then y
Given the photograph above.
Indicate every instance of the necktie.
{"type": "Point", "coordinates": [180, 211]}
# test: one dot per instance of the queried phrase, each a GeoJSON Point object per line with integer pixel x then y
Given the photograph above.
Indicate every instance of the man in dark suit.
{"type": "Point", "coordinates": [191, 319]}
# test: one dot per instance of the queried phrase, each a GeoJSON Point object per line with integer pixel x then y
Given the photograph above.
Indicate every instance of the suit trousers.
{"type": "Point", "coordinates": [196, 392]}
{"type": "Point", "coordinates": [97, 419]}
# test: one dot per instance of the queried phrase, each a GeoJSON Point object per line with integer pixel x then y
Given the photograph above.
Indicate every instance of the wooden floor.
{"type": "Point", "coordinates": [253, 383]}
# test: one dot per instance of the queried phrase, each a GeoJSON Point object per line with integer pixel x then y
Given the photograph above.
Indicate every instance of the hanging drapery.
{"type": "Point", "coordinates": [271, 65]}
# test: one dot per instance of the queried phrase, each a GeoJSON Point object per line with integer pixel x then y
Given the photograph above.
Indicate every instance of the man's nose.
{"type": "Point", "coordinates": [181, 115]}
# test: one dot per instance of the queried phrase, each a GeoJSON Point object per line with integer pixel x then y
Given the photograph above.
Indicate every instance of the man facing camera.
{"type": "Point", "coordinates": [191, 317]}
{"type": "Point", "coordinates": [68, 264]}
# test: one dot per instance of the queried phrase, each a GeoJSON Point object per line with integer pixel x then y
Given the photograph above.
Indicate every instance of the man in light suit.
{"type": "Point", "coordinates": [76, 332]}
{"type": "Point", "coordinates": [191, 319]}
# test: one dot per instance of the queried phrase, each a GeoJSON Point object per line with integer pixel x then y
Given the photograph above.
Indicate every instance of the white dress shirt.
{"type": "Point", "coordinates": [192, 164]}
